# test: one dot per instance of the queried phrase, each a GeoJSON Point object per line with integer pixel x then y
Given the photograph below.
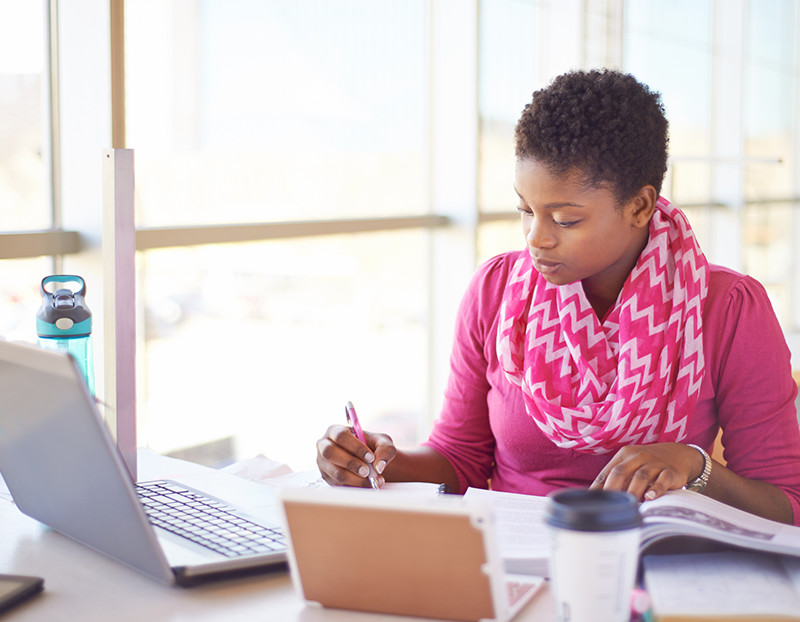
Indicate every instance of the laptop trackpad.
{"type": "Point", "coordinates": [180, 552]}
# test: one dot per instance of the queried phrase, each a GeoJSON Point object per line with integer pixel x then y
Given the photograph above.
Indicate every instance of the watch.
{"type": "Point", "coordinates": [699, 484]}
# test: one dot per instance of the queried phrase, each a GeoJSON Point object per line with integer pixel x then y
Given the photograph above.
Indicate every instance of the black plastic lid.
{"type": "Point", "coordinates": [592, 510]}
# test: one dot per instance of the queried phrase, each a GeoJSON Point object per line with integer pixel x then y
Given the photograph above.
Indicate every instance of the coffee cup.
{"type": "Point", "coordinates": [594, 552]}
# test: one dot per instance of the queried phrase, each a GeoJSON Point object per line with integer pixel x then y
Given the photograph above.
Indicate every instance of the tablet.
{"type": "Point", "coordinates": [399, 553]}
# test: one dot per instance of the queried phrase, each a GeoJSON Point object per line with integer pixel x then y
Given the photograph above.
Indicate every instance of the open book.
{"type": "Point", "coordinates": [523, 539]}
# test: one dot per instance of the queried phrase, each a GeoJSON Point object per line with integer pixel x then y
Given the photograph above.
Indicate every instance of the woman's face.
{"type": "Point", "coordinates": [578, 233]}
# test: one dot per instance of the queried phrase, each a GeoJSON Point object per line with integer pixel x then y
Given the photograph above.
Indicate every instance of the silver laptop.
{"type": "Point", "coordinates": [62, 468]}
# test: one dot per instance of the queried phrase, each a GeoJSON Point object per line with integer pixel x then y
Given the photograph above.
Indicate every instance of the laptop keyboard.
{"type": "Point", "coordinates": [206, 521]}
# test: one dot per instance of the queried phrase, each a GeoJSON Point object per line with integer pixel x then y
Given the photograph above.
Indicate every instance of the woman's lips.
{"type": "Point", "coordinates": [545, 268]}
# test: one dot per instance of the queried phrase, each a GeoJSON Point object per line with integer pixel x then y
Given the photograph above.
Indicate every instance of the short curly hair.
{"type": "Point", "coordinates": [602, 122]}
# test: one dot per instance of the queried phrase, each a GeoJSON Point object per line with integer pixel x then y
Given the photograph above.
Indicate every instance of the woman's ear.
{"type": "Point", "coordinates": [643, 205]}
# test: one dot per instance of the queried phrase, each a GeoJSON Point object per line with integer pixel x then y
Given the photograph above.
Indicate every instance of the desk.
{"type": "Point", "coordinates": [83, 585]}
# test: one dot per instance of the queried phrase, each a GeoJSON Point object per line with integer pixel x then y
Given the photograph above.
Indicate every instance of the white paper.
{"type": "Point", "coordinates": [522, 535]}
{"type": "Point", "coordinates": [730, 583]}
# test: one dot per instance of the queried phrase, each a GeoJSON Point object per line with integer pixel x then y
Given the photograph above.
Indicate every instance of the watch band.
{"type": "Point", "coordinates": [699, 484]}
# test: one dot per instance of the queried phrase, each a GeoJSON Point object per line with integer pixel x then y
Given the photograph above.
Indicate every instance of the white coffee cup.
{"type": "Point", "coordinates": [594, 553]}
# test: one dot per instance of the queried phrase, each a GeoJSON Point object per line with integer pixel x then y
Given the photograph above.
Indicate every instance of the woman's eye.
{"type": "Point", "coordinates": [524, 210]}
{"type": "Point", "coordinates": [566, 224]}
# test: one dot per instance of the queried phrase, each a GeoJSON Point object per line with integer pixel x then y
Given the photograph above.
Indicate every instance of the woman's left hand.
{"type": "Point", "coordinates": [648, 471]}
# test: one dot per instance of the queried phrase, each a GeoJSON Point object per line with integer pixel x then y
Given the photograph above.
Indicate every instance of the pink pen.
{"type": "Point", "coordinates": [353, 422]}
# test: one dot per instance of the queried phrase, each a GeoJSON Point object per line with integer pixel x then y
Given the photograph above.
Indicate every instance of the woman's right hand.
{"type": "Point", "coordinates": [343, 460]}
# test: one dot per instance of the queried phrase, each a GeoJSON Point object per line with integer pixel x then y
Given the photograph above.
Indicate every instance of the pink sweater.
{"type": "Point", "coordinates": [748, 391]}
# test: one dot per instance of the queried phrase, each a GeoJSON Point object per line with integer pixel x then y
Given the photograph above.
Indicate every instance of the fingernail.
{"type": "Point", "coordinates": [363, 471]}
{"type": "Point", "coordinates": [380, 466]}
{"type": "Point", "coordinates": [369, 457]}
{"type": "Point", "coordinates": [650, 495]}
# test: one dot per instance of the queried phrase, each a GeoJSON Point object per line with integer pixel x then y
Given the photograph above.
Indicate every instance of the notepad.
{"type": "Point", "coordinates": [734, 585]}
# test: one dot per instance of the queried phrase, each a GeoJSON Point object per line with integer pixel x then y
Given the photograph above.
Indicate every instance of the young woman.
{"type": "Point", "coordinates": [609, 352]}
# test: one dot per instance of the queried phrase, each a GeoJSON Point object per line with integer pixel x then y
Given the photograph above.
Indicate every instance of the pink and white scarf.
{"type": "Point", "coordinates": [635, 378]}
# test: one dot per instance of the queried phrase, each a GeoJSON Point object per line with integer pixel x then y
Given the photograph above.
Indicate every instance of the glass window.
{"type": "Point", "coordinates": [24, 202]}
{"type": "Point", "coordinates": [770, 103]}
{"type": "Point", "coordinates": [260, 345]}
{"type": "Point", "coordinates": [522, 46]}
{"type": "Point", "coordinates": [289, 110]}
{"type": "Point", "coordinates": [770, 108]}
{"type": "Point", "coordinates": [24, 198]}
{"type": "Point", "coordinates": [249, 111]}
{"type": "Point", "coordinates": [20, 296]}
{"type": "Point", "coordinates": [499, 237]}
{"type": "Point", "coordinates": [767, 247]}
{"type": "Point", "coordinates": [296, 110]}
{"type": "Point", "coordinates": [507, 77]}
{"type": "Point", "coordinates": [667, 46]}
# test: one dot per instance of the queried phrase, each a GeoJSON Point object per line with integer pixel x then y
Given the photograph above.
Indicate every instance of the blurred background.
{"type": "Point", "coordinates": [364, 150]}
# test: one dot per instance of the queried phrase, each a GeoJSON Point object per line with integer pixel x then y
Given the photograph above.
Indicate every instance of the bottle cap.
{"type": "Point", "coordinates": [63, 312]}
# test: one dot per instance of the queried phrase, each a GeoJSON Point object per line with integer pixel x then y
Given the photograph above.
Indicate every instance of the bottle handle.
{"type": "Point", "coordinates": [65, 278]}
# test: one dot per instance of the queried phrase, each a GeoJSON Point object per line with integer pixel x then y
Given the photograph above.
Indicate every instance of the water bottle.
{"type": "Point", "coordinates": [64, 322]}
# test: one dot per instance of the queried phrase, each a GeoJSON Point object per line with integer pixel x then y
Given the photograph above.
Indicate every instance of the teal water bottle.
{"type": "Point", "coordinates": [64, 322]}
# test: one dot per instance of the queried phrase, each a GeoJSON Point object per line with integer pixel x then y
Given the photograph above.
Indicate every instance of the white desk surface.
{"type": "Point", "coordinates": [83, 585]}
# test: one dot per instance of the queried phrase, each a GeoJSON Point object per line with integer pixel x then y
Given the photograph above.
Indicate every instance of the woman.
{"type": "Point", "coordinates": [609, 353]}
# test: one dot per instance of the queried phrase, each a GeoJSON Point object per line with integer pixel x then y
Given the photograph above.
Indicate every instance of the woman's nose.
{"type": "Point", "coordinates": [540, 236]}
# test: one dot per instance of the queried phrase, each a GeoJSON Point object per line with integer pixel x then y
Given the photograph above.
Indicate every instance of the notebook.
{"type": "Point", "coordinates": [399, 553]}
{"type": "Point", "coordinates": [62, 468]}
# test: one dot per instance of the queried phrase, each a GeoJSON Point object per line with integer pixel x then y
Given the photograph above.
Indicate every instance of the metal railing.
{"type": "Point", "coordinates": [25, 244]}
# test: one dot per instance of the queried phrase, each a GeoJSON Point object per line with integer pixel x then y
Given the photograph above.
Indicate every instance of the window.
{"type": "Point", "coordinates": [24, 182]}
{"type": "Point", "coordinates": [253, 112]}
{"type": "Point", "coordinates": [770, 126]}
{"type": "Point", "coordinates": [315, 181]}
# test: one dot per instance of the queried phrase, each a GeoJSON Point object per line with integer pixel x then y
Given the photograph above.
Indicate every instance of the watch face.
{"type": "Point", "coordinates": [697, 485]}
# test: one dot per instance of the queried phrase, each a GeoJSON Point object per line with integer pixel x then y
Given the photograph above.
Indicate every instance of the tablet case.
{"type": "Point", "coordinates": [396, 553]}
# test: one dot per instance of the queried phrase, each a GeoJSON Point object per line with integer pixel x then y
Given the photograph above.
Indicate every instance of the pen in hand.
{"type": "Point", "coordinates": [353, 422]}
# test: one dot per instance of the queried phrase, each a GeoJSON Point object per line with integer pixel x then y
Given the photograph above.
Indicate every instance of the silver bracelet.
{"type": "Point", "coordinates": [699, 484]}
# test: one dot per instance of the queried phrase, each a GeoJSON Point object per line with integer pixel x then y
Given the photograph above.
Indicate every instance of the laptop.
{"type": "Point", "coordinates": [432, 556]}
{"type": "Point", "coordinates": [62, 468]}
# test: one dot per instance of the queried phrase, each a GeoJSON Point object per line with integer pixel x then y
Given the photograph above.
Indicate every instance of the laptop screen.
{"type": "Point", "coordinates": [60, 463]}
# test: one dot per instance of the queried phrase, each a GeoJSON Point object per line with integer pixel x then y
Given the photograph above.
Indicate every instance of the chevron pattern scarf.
{"type": "Point", "coordinates": [635, 378]}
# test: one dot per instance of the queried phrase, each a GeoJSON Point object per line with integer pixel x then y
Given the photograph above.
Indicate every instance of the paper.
{"type": "Point", "coordinates": [423, 488]}
{"type": "Point", "coordinates": [263, 470]}
{"type": "Point", "coordinates": [258, 468]}
{"type": "Point", "coordinates": [522, 535]}
{"type": "Point", "coordinates": [4, 493]}
{"type": "Point", "coordinates": [722, 584]}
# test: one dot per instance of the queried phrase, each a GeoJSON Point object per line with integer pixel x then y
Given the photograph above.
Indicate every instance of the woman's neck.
{"type": "Point", "coordinates": [602, 289]}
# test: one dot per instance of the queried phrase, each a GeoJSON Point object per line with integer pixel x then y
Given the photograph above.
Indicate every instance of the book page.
{"type": "Point", "coordinates": [792, 565]}
{"type": "Point", "coordinates": [720, 584]}
{"type": "Point", "coordinates": [681, 512]}
{"type": "Point", "coordinates": [521, 531]}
